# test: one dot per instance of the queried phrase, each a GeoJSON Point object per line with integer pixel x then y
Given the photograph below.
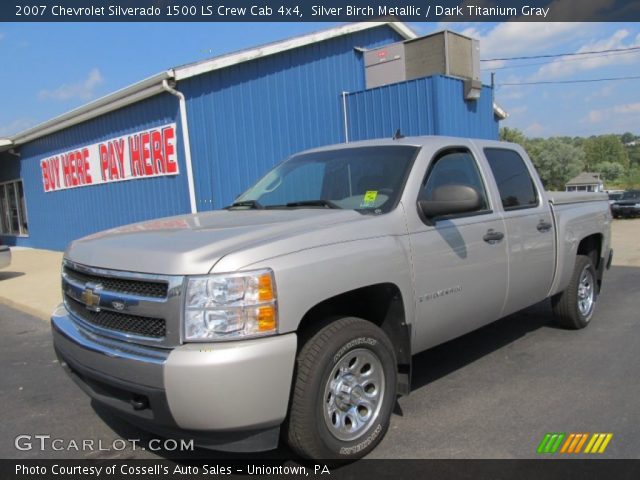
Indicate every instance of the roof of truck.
{"type": "Point", "coordinates": [418, 141]}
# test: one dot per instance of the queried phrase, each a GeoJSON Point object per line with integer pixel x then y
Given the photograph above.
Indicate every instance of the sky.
{"type": "Point", "coordinates": [51, 68]}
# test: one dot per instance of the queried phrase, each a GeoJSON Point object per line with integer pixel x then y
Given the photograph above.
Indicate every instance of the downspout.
{"type": "Point", "coordinates": [493, 88]}
{"type": "Point", "coordinates": [185, 138]}
{"type": "Point", "coordinates": [345, 116]}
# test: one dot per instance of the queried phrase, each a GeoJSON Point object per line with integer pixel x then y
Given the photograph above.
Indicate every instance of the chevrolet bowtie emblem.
{"type": "Point", "coordinates": [90, 299]}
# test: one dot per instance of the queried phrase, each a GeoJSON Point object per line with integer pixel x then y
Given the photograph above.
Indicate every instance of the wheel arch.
{"type": "Point", "coordinates": [591, 246]}
{"type": "Point", "coordinates": [382, 304]}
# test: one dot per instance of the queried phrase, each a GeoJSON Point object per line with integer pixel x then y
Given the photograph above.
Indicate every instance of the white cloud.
{"type": "Point", "coordinates": [628, 108]}
{"type": "Point", "coordinates": [83, 89]}
{"type": "Point", "coordinates": [518, 110]}
{"type": "Point", "coordinates": [15, 126]}
{"type": "Point", "coordinates": [607, 114]}
{"type": "Point", "coordinates": [509, 39]}
{"type": "Point", "coordinates": [511, 92]}
{"type": "Point", "coordinates": [603, 92]}
{"type": "Point", "coordinates": [567, 65]}
{"type": "Point", "coordinates": [535, 130]}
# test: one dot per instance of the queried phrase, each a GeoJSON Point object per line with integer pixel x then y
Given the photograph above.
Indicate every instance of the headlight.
{"type": "Point", "coordinates": [230, 306]}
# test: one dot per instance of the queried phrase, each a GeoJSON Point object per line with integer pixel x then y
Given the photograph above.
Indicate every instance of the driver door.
{"type": "Point", "coordinates": [459, 260]}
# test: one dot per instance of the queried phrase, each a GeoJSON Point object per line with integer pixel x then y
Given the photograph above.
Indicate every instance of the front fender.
{"type": "Point", "coordinates": [308, 277]}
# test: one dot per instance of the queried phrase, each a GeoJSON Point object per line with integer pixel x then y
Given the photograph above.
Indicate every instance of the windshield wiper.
{"type": "Point", "coordinates": [313, 203]}
{"type": "Point", "coordinates": [252, 204]}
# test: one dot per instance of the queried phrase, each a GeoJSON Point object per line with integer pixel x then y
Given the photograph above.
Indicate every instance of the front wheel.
{"type": "Point", "coordinates": [344, 391]}
{"type": "Point", "coordinates": [574, 307]}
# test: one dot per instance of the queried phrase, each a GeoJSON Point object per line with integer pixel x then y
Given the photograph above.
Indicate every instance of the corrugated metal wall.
{"type": "Point", "coordinates": [425, 106]}
{"type": "Point", "coordinates": [55, 218]}
{"type": "Point", "coordinates": [244, 119]}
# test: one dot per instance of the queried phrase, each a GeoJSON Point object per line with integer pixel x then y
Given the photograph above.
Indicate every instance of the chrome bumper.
{"type": "Point", "coordinates": [193, 389]}
{"type": "Point", "coordinates": [123, 361]}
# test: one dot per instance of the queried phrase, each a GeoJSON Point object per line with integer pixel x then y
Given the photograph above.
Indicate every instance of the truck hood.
{"type": "Point", "coordinates": [193, 244]}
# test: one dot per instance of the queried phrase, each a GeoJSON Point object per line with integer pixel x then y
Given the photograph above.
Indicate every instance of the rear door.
{"type": "Point", "coordinates": [460, 262]}
{"type": "Point", "coordinates": [529, 226]}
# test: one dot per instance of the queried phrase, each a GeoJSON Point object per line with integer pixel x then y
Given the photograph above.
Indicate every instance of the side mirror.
{"type": "Point", "coordinates": [449, 200]}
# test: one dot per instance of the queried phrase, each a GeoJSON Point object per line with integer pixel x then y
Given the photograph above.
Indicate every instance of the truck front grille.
{"type": "Point", "coordinates": [120, 322]}
{"type": "Point", "coordinates": [136, 307]}
{"type": "Point", "coordinates": [121, 285]}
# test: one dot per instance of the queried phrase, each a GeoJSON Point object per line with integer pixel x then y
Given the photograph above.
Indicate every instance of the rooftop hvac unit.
{"type": "Point", "coordinates": [445, 53]}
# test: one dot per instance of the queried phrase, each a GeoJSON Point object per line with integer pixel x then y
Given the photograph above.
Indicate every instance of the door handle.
{"type": "Point", "coordinates": [492, 236]}
{"type": "Point", "coordinates": [544, 226]}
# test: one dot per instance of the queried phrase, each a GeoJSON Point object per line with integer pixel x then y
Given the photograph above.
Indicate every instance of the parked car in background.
{"type": "Point", "coordinates": [627, 206]}
{"type": "Point", "coordinates": [5, 255]}
{"type": "Point", "coordinates": [614, 195]}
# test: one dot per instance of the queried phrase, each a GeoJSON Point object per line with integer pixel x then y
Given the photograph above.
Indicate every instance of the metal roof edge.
{"type": "Point", "coordinates": [153, 85]}
{"type": "Point", "coordinates": [113, 101]}
{"type": "Point", "coordinates": [403, 29]}
{"type": "Point", "coordinates": [5, 144]}
{"type": "Point", "coordinates": [223, 61]}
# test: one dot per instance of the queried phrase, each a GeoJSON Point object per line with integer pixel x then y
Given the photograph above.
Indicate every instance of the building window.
{"type": "Point", "coordinates": [13, 209]}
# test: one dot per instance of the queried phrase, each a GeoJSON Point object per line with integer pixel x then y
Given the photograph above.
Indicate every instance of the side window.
{"type": "Point", "coordinates": [454, 168]}
{"type": "Point", "coordinates": [515, 185]}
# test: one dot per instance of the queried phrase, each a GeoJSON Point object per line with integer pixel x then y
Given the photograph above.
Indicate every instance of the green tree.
{"type": "Point", "coordinates": [627, 137]}
{"type": "Point", "coordinates": [557, 161]}
{"type": "Point", "coordinates": [610, 171]}
{"type": "Point", "coordinates": [605, 148]}
{"type": "Point", "coordinates": [634, 156]}
{"type": "Point", "coordinates": [578, 141]}
{"type": "Point", "coordinates": [513, 135]}
{"type": "Point", "coordinates": [632, 179]}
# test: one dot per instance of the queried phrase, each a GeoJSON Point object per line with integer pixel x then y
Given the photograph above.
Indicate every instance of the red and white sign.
{"type": "Point", "coordinates": [149, 153]}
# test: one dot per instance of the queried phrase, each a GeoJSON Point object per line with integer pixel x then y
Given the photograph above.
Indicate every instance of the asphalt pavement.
{"type": "Point", "coordinates": [491, 394]}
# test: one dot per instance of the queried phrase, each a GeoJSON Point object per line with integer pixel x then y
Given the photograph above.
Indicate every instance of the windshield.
{"type": "Point", "coordinates": [632, 195]}
{"type": "Point", "coordinates": [366, 179]}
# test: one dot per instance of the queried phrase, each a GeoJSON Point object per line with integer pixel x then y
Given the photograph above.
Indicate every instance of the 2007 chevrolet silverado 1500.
{"type": "Point", "coordinates": [299, 307]}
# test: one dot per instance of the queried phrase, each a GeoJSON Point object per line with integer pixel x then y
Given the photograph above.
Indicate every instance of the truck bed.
{"type": "Point", "coordinates": [562, 198]}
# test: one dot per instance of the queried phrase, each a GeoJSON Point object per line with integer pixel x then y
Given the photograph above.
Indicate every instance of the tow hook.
{"type": "Point", "coordinates": [139, 402]}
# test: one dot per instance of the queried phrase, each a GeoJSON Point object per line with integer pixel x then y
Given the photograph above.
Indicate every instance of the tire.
{"type": "Point", "coordinates": [326, 423]}
{"type": "Point", "coordinates": [574, 307]}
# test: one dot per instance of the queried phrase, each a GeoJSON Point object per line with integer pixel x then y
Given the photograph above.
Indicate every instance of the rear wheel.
{"type": "Point", "coordinates": [574, 307]}
{"type": "Point", "coordinates": [344, 391]}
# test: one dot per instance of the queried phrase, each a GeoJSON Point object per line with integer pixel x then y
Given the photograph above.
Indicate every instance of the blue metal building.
{"type": "Point", "coordinates": [222, 122]}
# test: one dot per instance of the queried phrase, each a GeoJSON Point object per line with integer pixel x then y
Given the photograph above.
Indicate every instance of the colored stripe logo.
{"type": "Point", "coordinates": [574, 443]}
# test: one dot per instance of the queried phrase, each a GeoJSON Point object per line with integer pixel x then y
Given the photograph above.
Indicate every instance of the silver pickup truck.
{"type": "Point", "coordinates": [295, 312]}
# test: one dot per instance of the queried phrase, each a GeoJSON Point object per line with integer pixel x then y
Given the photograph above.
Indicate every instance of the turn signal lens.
{"type": "Point", "coordinates": [266, 317]}
{"type": "Point", "coordinates": [265, 288]}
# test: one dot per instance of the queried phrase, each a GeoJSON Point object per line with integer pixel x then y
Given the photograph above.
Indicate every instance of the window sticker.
{"type": "Point", "coordinates": [369, 198]}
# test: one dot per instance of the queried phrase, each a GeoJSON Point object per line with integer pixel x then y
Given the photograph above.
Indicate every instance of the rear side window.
{"type": "Point", "coordinates": [515, 185]}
